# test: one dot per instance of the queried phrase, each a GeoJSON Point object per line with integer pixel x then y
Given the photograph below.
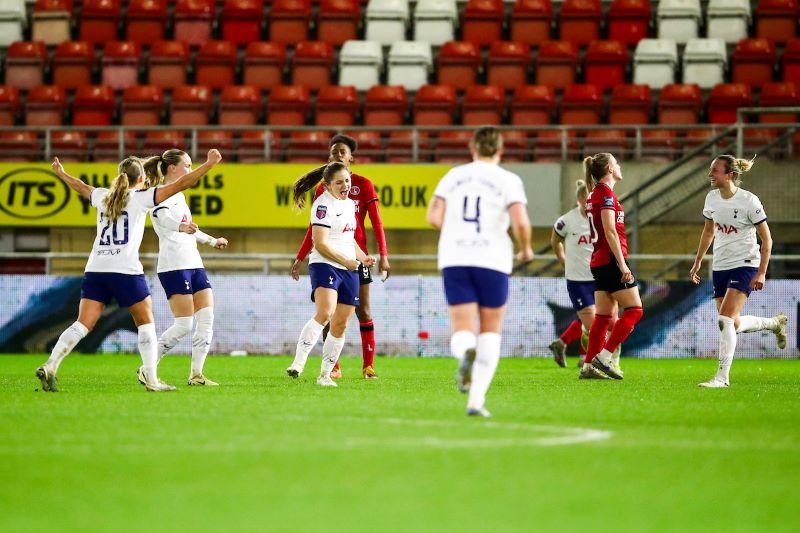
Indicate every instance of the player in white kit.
{"type": "Point", "coordinates": [734, 217]}
{"type": "Point", "coordinates": [114, 270]}
{"type": "Point", "coordinates": [473, 206]}
{"type": "Point", "coordinates": [180, 268]}
{"type": "Point", "coordinates": [332, 267]}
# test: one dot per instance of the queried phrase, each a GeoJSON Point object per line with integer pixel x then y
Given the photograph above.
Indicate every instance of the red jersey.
{"type": "Point", "coordinates": [603, 197]}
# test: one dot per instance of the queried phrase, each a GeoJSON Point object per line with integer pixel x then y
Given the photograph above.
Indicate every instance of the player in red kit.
{"type": "Point", "coordinates": [362, 192]}
{"type": "Point", "coordinates": [614, 281]}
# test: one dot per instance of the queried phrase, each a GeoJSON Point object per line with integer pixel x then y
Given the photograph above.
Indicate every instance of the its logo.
{"type": "Point", "coordinates": [32, 193]}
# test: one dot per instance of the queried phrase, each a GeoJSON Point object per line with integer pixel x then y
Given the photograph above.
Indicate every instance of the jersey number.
{"type": "Point", "coordinates": [476, 219]}
{"type": "Point", "coordinates": [592, 230]}
{"type": "Point", "coordinates": [113, 237]}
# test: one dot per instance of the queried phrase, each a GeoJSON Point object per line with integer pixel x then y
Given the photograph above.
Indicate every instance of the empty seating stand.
{"type": "Point", "coordinates": [532, 105]}
{"type": "Point", "coordinates": [142, 105]}
{"type": "Point", "coordinates": [782, 94]}
{"type": "Point", "coordinates": [120, 64]}
{"type": "Point", "coordinates": [167, 64]}
{"type": "Point", "coordinates": [360, 64]}
{"type": "Point", "coordinates": [579, 21]}
{"type": "Point", "coordinates": [264, 64]}
{"type": "Point", "coordinates": [530, 21]}
{"type": "Point", "coordinates": [338, 21]}
{"type": "Point", "coordinates": [728, 19]}
{"type": "Point", "coordinates": [45, 106]}
{"type": "Point", "coordinates": [146, 21]}
{"type": "Point", "coordinates": [288, 105]}
{"type": "Point", "coordinates": [483, 104]}
{"type": "Point", "coordinates": [777, 19]}
{"type": "Point", "coordinates": [51, 21]}
{"type": "Point", "coordinates": [754, 62]}
{"type": "Point", "coordinates": [312, 64]}
{"type": "Point", "coordinates": [435, 21]}
{"type": "Point", "coordinates": [93, 106]}
{"type": "Point", "coordinates": [556, 64]}
{"type": "Point", "coordinates": [507, 66]}
{"type": "Point", "coordinates": [241, 21]}
{"type": "Point", "coordinates": [190, 106]}
{"type": "Point", "coordinates": [483, 21]}
{"type": "Point", "coordinates": [435, 105]}
{"type": "Point", "coordinates": [704, 62]}
{"type": "Point", "coordinates": [337, 105]}
{"type": "Point", "coordinates": [9, 105]}
{"type": "Point", "coordinates": [791, 61]}
{"type": "Point", "coordinates": [629, 21]}
{"type": "Point", "coordinates": [215, 64]}
{"type": "Point", "coordinates": [679, 20]}
{"type": "Point", "coordinates": [25, 63]}
{"type": "Point", "coordinates": [73, 62]}
{"type": "Point", "coordinates": [386, 21]}
{"type": "Point", "coordinates": [459, 62]}
{"type": "Point", "coordinates": [239, 105]}
{"type": "Point", "coordinates": [13, 20]}
{"type": "Point", "coordinates": [655, 62]}
{"type": "Point", "coordinates": [725, 99]}
{"type": "Point", "coordinates": [99, 21]}
{"type": "Point", "coordinates": [605, 63]}
{"type": "Point", "coordinates": [385, 106]}
{"type": "Point", "coordinates": [288, 21]}
{"type": "Point", "coordinates": [409, 64]}
{"type": "Point", "coordinates": [192, 21]}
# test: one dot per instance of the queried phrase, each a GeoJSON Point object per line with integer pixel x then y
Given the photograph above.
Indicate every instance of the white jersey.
{"type": "Point", "coordinates": [339, 216]}
{"type": "Point", "coordinates": [116, 247]}
{"type": "Point", "coordinates": [573, 227]}
{"type": "Point", "coordinates": [476, 220]}
{"type": "Point", "coordinates": [735, 220]}
{"type": "Point", "coordinates": [176, 250]}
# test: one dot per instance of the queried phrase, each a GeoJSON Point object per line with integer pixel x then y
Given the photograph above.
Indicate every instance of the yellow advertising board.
{"type": "Point", "coordinates": [231, 195]}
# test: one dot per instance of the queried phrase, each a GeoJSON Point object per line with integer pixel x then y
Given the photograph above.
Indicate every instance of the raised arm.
{"type": "Point", "coordinates": [190, 179]}
{"type": "Point", "coordinates": [706, 238]}
{"type": "Point", "coordinates": [521, 230]}
{"type": "Point", "coordinates": [84, 189]}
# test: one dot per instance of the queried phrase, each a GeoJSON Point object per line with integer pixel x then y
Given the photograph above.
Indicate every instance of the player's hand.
{"type": "Point", "coordinates": [369, 261]}
{"type": "Point", "coordinates": [213, 156]}
{"type": "Point", "coordinates": [384, 268]}
{"type": "Point", "coordinates": [627, 275]}
{"type": "Point", "coordinates": [189, 228]}
{"type": "Point", "coordinates": [693, 273]}
{"type": "Point", "coordinates": [525, 255]}
{"type": "Point", "coordinates": [758, 282]}
{"type": "Point", "coordinates": [295, 271]}
{"type": "Point", "coordinates": [58, 168]}
{"type": "Point", "coordinates": [222, 243]}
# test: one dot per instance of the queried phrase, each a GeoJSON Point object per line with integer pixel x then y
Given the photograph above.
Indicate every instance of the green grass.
{"type": "Point", "coordinates": [263, 452]}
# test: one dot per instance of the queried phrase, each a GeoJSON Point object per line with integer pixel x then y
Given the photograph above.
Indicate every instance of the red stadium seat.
{"type": "Point", "coordinates": [25, 62]}
{"type": "Point", "coordinates": [239, 105]}
{"type": "Point", "coordinates": [289, 20]}
{"type": "Point", "coordinates": [385, 105]}
{"type": "Point", "coordinates": [99, 21]}
{"type": "Point", "coordinates": [93, 106]}
{"type": "Point", "coordinates": [9, 105]}
{"type": "Point", "coordinates": [630, 104]}
{"type": "Point", "coordinates": [51, 20]}
{"type": "Point", "coordinates": [158, 142]}
{"type": "Point", "coordinates": [458, 64]}
{"type": "Point", "coordinates": [107, 145]}
{"type": "Point", "coordinates": [338, 20]}
{"type": "Point", "coordinates": [530, 21]}
{"type": "Point", "coordinates": [142, 105]}
{"type": "Point", "coordinates": [532, 105]}
{"type": "Point", "coordinates": [777, 19]}
{"type": "Point", "coordinates": [605, 63]}
{"type": "Point", "coordinates": [307, 146]}
{"type": "Point", "coordinates": [337, 106]}
{"type": "Point", "coordinates": [120, 64]}
{"type": "Point", "coordinates": [222, 140]}
{"type": "Point", "coordinates": [507, 66]}
{"type": "Point", "coordinates": [69, 145]}
{"type": "Point", "coordinates": [753, 62]}
{"type": "Point", "coordinates": [556, 64]}
{"type": "Point", "coordinates": [193, 20]}
{"type": "Point", "coordinates": [628, 21]}
{"type": "Point", "coordinates": [146, 21]}
{"type": "Point", "coordinates": [679, 104]}
{"type": "Point", "coordinates": [725, 99]}
{"type": "Point", "coordinates": [241, 21]}
{"type": "Point", "coordinates": [784, 94]}
{"type": "Point", "coordinates": [482, 21]}
{"type": "Point", "coordinates": [791, 61]}
{"type": "Point", "coordinates": [253, 147]}
{"type": "Point", "coordinates": [72, 64]}
{"type": "Point", "coordinates": [434, 105]}
{"type": "Point", "coordinates": [287, 105]}
{"type": "Point", "coordinates": [20, 146]}
{"type": "Point", "coordinates": [453, 147]}
{"type": "Point", "coordinates": [400, 146]}
{"type": "Point", "coordinates": [579, 21]}
{"type": "Point", "coordinates": [582, 104]}
{"type": "Point", "coordinates": [312, 64]}
{"type": "Point", "coordinates": [215, 64]}
{"type": "Point", "coordinates": [191, 105]}
{"type": "Point", "coordinates": [264, 63]}
{"type": "Point", "coordinates": [370, 146]}
{"type": "Point", "coordinates": [45, 106]}
{"type": "Point", "coordinates": [483, 104]}
{"type": "Point", "coordinates": [167, 65]}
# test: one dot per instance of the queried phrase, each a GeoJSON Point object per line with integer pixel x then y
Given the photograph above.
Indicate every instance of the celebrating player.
{"type": "Point", "coordinates": [333, 265]}
{"type": "Point", "coordinates": [733, 218]}
{"type": "Point", "coordinates": [114, 270]}
{"type": "Point", "coordinates": [472, 205]}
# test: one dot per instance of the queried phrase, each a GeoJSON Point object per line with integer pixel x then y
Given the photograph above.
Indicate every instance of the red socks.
{"type": "Point", "coordinates": [597, 336]}
{"type": "Point", "coordinates": [623, 327]}
{"type": "Point", "coordinates": [367, 343]}
{"type": "Point", "coordinates": [572, 333]}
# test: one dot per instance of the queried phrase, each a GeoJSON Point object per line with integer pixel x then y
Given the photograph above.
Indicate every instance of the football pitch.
{"type": "Point", "coordinates": [263, 452]}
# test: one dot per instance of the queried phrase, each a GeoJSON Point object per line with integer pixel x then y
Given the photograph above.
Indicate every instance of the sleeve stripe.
{"type": "Point", "coordinates": [707, 218]}
{"type": "Point", "coordinates": [320, 225]}
{"type": "Point", "coordinates": [760, 221]}
{"type": "Point", "coordinates": [154, 196]}
{"type": "Point", "coordinates": [516, 202]}
{"type": "Point", "coordinates": [157, 209]}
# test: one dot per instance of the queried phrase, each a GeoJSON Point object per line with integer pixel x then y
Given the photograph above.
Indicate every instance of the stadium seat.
{"type": "Point", "coordinates": [728, 19]}
{"type": "Point", "coordinates": [777, 19]}
{"type": "Point", "coordinates": [507, 66]}
{"type": "Point", "coordinates": [435, 105]}
{"type": "Point", "coordinates": [530, 21]}
{"type": "Point", "coordinates": [264, 63]}
{"type": "Point", "coordinates": [386, 21]}
{"type": "Point", "coordinates": [157, 142]}
{"type": "Point", "coordinates": [142, 105]}
{"type": "Point", "coordinates": [45, 106]}
{"type": "Point", "coordinates": [370, 146]}
{"type": "Point", "coordinates": [215, 64]}
{"type": "Point", "coordinates": [628, 21]}
{"type": "Point", "coordinates": [435, 21]}
{"type": "Point", "coordinates": [312, 64]}
{"type": "Point", "coordinates": [222, 140]}
{"type": "Point", "coordinates": [338, 21]}
{"type": "Point", "coordinates": [193, 19]}
{"type": "Point", "coordinates": [482, 21]}
{"type": "Point", "coordinates": [307, 146]}
{"type": "Point", "coordinates": [458, 64]}
{"type": "Point", "coordinates": [337, 105]}
{"type": "Point", "coordinates": [400, 146]}
{"type": "Point", "coordinates": [51, 21]}
{"type": "Point", "coordinates": [167, 64]}
{"type": "Point", "coordinates": [360, 64]}
{"type": "Point", "coordinates": [579, 21]}
{"type": "Point", "coordinates": [13, 20]}
{"type": "Point", "coordinates": [532, 105]}
{"type": "Point", "coordinates": [190, 106]}
{"type": "Point", "coordinates": [556, 64]}
{"type": "Point", "coordinates": [254, 147]}
{"type": "Point", "coordinates": [679, 20]}
{"type": "Point", "coordinates": [452, 147]}
{"type": "Point", "coordinates": [725, 99]}
{"type": "Point", "coordinates": [791, 61]}
{"type": "Point", "coordinates": [114, 145]}
{"type": "Point", "coordinates": [605, 63]}
{"type": "Point", "coordinates": [288, 21]}
{"type": "Point", "coordinates": [20, 146]}
{"type": "Point", "coordinates": [654, 62]}
{"type": "Point", "coordinates": [385, 106]}
{"type": "Point", "coordinates": [241, 21]}
{"type": "Point", "coordinates": [120, 64]}
{"type": "Point", "coordinates": [73, 62]}
{"type": "Point", "coordinates": [9, 105]}
{"type": "Point", "coordinates": [287, 105]}
{"type": "Point", "coordinates": [630, 104]}
{"type": "Point", "coordinates": [146, 21]}
{"type": "Point", "coordinates": [409, 64]}
{"type": "Point", "coordinates": [754, 62]}
{"type": "Point", "coordinates": [69, 145]}
{"type": "Point", "coordinates": [483, 104]}
{"type": "Point", "coordinates": [25, 63]}
{"type": "Point", "coordinates": [679, 104]}
{"type": "Point", "coordinates": [93, 106]}
{"type": "Point", "coordinates": [582, 104]}
{"type": "Point", "coordinates": [99, 21]}
{"type": "Point", "coordinates": [239, 105]}
{"type": "Point", "coordinates": [704, 62]}
{"type": "Point", "coordinates": [783, 94]}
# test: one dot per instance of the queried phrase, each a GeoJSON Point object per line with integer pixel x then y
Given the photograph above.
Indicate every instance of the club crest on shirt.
{"type": "Point", "coordinates": [322, 210]}
{"type": "Point", "coordinates": [560, 225]}
{"type": "Point", "coordinates": [355, 190]}
{"type": "Point", "coordinates": [608, 201]}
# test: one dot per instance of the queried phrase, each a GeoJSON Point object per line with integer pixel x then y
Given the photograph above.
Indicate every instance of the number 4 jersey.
{"type": "Point", "coordinates": [476, 221]}
{"type": "Point", "coordinates": [116, 247]}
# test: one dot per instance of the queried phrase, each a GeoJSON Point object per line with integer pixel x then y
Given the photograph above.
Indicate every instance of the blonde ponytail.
{"type": "Point", "coordinates": [581, 188]}
{"type": "Point", "coordinates": [130, 170]}
{"type": "Point", "coordinates": [736, 166]}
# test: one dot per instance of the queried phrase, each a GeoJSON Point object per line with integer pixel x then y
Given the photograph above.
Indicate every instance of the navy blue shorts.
{"type": "Point", "coordinates": [581, 294]}
{"type": "Point", "coordinates": [187, 281]}
{"type": "Point", "coordinates": [344, 282]}
{"type": "Point", "coordinates": [735, 278]}
{"type": "Point", "coordinates": [364, 274]}
{"type": "Point", "coordinates": [463, 285]}
{"type": "Point", "coordinates": [127, 289]}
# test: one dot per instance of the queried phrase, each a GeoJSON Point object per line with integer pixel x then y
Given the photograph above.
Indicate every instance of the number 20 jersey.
{"type": "Point", "coordinates": [476, 221]}
{"type": "Point", "coordinates": [116, 246]}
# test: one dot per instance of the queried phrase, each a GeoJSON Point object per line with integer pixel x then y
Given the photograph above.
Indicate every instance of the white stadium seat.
{"type": "Point", "coordinates": [410, 63]}
{"type": "Point", "coordinates": [655, 62]}
{"type": "Point", "coordinates": [387, 21]}
{"type": "Point", "coordinates": [435, 21]}
{"type": "Point", "coordinates": [360, 64]}
{"type": "Point", "coordinates": [679, 19]}
{"type": "Point", "coordinates": [704, 62]}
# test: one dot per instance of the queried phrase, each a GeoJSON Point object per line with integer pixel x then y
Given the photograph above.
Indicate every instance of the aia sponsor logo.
{"type": "Point", "coordinates": [348, 227]}
{"type": "Point", "coordinates": [726, 229]}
